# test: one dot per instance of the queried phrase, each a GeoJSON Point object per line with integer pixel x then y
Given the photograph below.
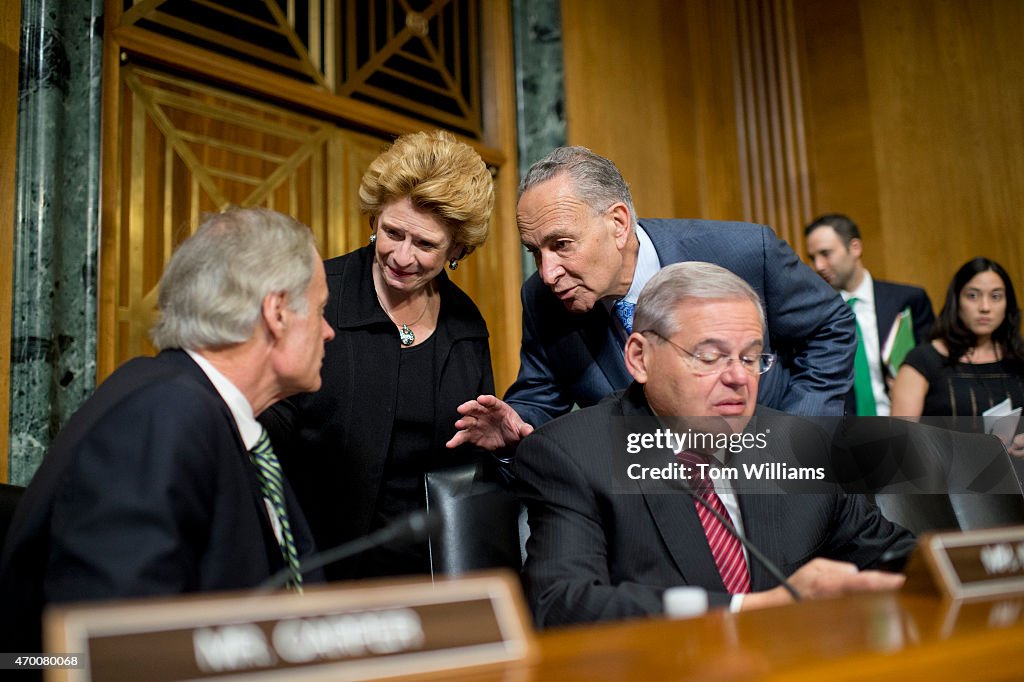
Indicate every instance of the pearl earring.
{"type": "Point", "coordinates": [373, 238]}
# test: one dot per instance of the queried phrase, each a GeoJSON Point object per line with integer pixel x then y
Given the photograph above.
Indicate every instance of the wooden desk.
{"type": "Point", "coordinates": [876, 636]}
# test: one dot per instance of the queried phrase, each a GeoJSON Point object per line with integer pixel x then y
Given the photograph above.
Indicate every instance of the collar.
{"type": "Point", "coordinates": [864, 293]}
{"type": "Point", "coordinates": [350, 282]}
{"type": "Point", "coordinates": [647, 266]}
{"type": "Point", "coordinates": [241, 410]}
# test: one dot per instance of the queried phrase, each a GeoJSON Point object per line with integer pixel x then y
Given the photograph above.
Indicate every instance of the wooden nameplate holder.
{"type": "Point", "coordinates": [352, 631]}
{"type": "Point", "coordinates": [969, 565]}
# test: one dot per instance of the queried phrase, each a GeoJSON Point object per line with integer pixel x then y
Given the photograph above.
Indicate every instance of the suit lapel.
{"type": "Point", "coordinates": [758, 512]}
{"type": "Point", "coordinates": [604, 344]}
{"type": "Point", "coordinates": [761, 511]}
{"type": "Point", "coordinates": [886, 310]}
{"type": "Point", "coordinates": [680, 529]}
{"type": "Point", "coordinates": [674, 514]}
{"type": "Point", "coordinates": [247, 468]}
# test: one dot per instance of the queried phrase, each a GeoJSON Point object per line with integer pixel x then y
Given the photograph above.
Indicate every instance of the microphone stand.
{"type": "Point", "coordinates": [417, 525]}
{"type": "Point", "coordinates": [754, 551]}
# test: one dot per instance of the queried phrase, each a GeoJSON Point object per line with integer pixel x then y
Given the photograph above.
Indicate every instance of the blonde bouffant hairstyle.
{"type": "Point", "coordinates": [440, 175]}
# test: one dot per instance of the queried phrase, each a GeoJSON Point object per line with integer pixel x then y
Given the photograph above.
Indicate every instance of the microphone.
{"type": "Point", "coordinates": [415, 527]}
{"type": "Point", "coordinates": [753, 550]}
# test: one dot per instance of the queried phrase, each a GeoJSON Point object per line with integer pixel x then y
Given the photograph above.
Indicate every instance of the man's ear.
{"type": "Point", "coordinates": [274, 309]}
{"type": "Point", "coordinates": [637, 353]}
{"type": "Point", "coordinates": [622, 223]}
{"type": "Point", "coordinates": [856, 247]}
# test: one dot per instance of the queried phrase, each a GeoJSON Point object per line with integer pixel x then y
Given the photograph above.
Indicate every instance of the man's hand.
{"type": "Point", "coordinates": [1016, 446]}
{"type": "Point", "coordinates": [825, 578]}
{"type": "Point", "coordinates": [489, 423]}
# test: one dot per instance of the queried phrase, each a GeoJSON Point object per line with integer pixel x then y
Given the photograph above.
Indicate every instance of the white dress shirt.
{"type": "Point", "coordinates": [867, 320]}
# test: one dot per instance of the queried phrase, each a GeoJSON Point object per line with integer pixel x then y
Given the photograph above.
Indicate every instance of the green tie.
{"type": "Point", "coordinates": [862, 390]}
{"type": "Point", "coordinates": [271, 485]}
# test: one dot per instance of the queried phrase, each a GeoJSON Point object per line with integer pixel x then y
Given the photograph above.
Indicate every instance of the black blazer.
{"type": "Point", "coordinates": [333, 444]}
{"type": "Point", "coordinates": [597, 554]}
{"type": "Point", "coordinates": [147, 491]}
{"type": "Point", "coordinates": [890, 300]}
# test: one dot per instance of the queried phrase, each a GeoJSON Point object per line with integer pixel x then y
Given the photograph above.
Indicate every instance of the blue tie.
{"type": "Point", "coordinates": [624, 311]}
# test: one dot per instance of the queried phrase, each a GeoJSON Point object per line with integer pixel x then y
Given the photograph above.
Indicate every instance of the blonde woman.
{"type": "Point", "coordinates": [410, 347]}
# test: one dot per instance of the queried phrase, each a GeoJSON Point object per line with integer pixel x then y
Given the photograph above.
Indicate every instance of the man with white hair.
{"type": "Point", "coordinates": [605, 544]}
{"type": "Point", "coordinates": [164, 482]}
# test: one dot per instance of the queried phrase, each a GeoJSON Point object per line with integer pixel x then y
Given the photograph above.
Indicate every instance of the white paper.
{"type": "Point", "coordinates": [1001, 420]}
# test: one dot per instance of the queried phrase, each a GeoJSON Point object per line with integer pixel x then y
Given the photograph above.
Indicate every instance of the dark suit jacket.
{"type": "Point", "coordinates": [567, 359]}
{"type": "Point", "coordinates": [890, 300]}
{"type": "Point", "coordinates": [596, 553]}
{"type": "Point", "coordinates": [147, 491]}
{"type": "Point", "coordinates": [334, 443]}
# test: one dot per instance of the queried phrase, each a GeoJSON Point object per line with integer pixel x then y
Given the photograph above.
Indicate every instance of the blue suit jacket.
{"type": "Point", "coordinates": [571, 359]}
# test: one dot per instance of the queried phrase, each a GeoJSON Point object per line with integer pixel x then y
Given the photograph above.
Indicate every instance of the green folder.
{"type": "Point", "coordinates": [900, 341]}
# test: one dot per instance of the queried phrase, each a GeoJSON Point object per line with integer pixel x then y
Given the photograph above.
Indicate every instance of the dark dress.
{"type": "Point", "coordinates": [355, 451]}
{"type": "Point", "coordinates": [964, 390]}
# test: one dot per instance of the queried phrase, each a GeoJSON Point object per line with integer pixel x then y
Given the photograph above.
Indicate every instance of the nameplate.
{"type": "Point", "coordinates": [353, 631]}
{"type": "Point", "coordinates": [977, 564]}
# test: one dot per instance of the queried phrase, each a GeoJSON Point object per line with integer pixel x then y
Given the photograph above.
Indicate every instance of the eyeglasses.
{"type": "Point", "coordinates": [714, 362]}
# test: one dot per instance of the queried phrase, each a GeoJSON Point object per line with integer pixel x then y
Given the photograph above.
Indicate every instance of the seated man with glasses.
{"type": "Point", "coordinates": [598, 552]}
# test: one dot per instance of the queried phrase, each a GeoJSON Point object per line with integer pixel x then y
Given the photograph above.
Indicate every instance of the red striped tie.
{"type": "Point", "coordinates": [725, 548]}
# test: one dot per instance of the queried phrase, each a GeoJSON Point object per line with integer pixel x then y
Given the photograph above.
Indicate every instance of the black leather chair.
{"type": "Point", "coordinates": [479, 522]}
{"type": "Point", "coordinates": [970, 479]}
{"type": "Point", "coordinates": [9, 496]}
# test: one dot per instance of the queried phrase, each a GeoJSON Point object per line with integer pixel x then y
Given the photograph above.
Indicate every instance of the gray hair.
{"type": "Point", "coordinates": [597, 180]}
{"type": "Point", "coordinates": [212, 290]}
{"type": "Point", "coordinates": [656, 307]}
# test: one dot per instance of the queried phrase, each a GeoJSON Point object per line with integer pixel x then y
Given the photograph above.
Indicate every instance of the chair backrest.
{"type": "Point", "coordinates": [9, 496]}
{"type": "Point", "coordinates": [971, 475]}
{"type": "Point", "coordinates": [479, 525]}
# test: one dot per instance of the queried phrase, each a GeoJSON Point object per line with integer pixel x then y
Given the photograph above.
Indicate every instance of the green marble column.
{"type": "Point", "coordinates": [540, 84]}
{"type": "Point", "coordinates": [56, 230]}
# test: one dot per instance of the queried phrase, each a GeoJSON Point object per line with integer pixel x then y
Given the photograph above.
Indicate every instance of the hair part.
{"type": "Point", "coordinates": [844, 227]}
{"type": "Point", "coordinates": [952, 331]}
{"type": "Point", "coordinates": [439, 175]}
{"type": "Point", "coordinates": [596, 180]}
{"type": "Point", "coordinates": [661, 296]}
{"type": "Point", "coordinates": [212, 290]}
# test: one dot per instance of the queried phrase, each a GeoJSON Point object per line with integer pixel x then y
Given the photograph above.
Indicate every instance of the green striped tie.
{"type": "Point", "coordinates": [271, 484]}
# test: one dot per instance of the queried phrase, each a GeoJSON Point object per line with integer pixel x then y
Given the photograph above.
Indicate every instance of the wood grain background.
{"type": "Point", "coordinates": [905, 114]}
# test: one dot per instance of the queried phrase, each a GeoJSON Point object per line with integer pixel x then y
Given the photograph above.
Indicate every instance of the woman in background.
{"type": "Point", "coordinates": [975, 358]}
{"type": "Point", "coordinates": [410, 347]}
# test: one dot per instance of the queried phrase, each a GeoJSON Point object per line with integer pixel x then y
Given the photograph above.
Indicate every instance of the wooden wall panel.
{"type": "Point", "coordinates": [770, 128]}
{"type": "Point", "coordinates": [837, 118]}
{"type": "Point", "coordinates": [914, 117]}
{"type": "Point", "coordinates": [698, 102]}
{"type": "Point", "coordinates": [187, 149]}
{"type": "Point", "coordinates": [199, 130]}
{"type": "Point", "coordinates": [620, 94]}
{"type": "Point", "coordinates": [906, 114]}
{"type": "Point", "coordinates": [494, 267]}
{"type": "Point", "coordinates": [10, 35]}
{"type": "Point", "coordinates": [947, 110]}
